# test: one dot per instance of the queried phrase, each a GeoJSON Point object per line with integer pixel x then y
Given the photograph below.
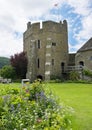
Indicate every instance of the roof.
{"type": "Point", "coordinates": [87, 46]}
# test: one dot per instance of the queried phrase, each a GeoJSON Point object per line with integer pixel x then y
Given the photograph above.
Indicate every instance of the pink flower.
{"type": "Point", "coordinates": [39, 120]}
{"type": "Point", "coordinates": [27, 91]}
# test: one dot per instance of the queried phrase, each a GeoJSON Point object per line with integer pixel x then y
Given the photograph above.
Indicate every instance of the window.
{"type": "Point", "coordinates": [53, 44]}
{"type": "Point", "coordinates": [38, 63]}
{"type": "Point", "coordinates": [39, 44]}
{"type": "Point", "coordinates": [52, 61]}
{"type": "Point", "coordinates": [62, 66]}
{"type": "Point", "coordinates": [81, 63]}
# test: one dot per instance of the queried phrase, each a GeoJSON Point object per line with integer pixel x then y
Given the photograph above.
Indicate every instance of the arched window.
{"type": "Point", "coordinates": [39, 77]}
{"type": "Point", "coordinates": [81, 63]}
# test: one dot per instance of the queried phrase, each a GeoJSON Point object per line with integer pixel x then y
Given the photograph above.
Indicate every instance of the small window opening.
{"type": "Point", "coordinates": [39, 44]}
{"type": "Point", "coordinates": [52, 61]}
{"type": "Point", "coordinates": [38, 63]}
{"type": "Point", "coordinates": [81, 63]}
{"type": "Point", "coordinates": [62, 66]}
{"type": "Point", "coordinates": [53, 44]}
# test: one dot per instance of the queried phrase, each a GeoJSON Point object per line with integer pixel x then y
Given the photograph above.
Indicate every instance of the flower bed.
{"type": "Point", "coordinates": [32, 108]}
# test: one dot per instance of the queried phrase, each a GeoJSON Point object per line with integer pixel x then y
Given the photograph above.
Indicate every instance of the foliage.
{"type": "Point", "coordinates": [7, 72]}
{"type": "Point", "coordinates": [32, 108]}
{"type": "Point", "coordinates": [19, 62]}
{"type": "Point", "coordinates": [79, 81]}
{"type": "Point", "coordinates": [74, 75]}
{"type": "Point", "coordinates": [53, 77]}
{"type": "Point", "coordinates": [4, 61]}
{"type": "Point", "coordinates": [87, 73]}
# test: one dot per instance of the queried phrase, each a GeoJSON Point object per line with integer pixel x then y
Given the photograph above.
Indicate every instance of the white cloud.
{"type": "Point", "coordinates": [14, 14]}
{"type": "Point", "coordinates": [86, 31]}
{"type": "Point", "coordinates": [80, 6]}
{"type": "Point", "coordinates": [83, 9]}
{"type": "Point", "coordinates": [74, 48]}
{"type": "Point", "coordinates": [9, 45]}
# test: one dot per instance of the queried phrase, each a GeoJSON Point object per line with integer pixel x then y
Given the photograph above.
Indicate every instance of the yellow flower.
{"type": "Point", "coordinates": [27, 82]}
{"type": "Point", "coordinates": [46, 128]}
{"type": "Point", "coordinates": [33, 102]}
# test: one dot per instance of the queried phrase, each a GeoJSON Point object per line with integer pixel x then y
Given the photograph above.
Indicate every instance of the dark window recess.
{"type": "Point", "coordinates": [53, 44]}
{"type": "Point", "coordinates": [81, 63]}
{"type": "Point", "coordinates": [62, 66]}
{"type": "Point", "coordinates": [39, 77]}
{"type": "Point", "coordinates": [39, 44]}
{"type": "Point", "coordinates": [38, 63]}
{"type": "Point", "coordinates": [52, 61]}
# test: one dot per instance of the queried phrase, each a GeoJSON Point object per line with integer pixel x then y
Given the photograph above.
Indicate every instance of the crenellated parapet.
{"type": "Point", "coordinates": [47, 26]}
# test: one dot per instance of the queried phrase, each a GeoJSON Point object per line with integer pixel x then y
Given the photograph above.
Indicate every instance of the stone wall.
{"type": "Point", "coordinates": [47, 49]}
{"type": "Point", "coordinates": [85, 57]}
{"type": "Point", "coordinates": [71, 59]}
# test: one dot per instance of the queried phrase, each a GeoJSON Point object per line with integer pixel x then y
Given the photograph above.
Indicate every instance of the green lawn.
{"type": "Point", "coordinates": [79, 97]}
{"type": "Point", "coordinates": [76, 95]}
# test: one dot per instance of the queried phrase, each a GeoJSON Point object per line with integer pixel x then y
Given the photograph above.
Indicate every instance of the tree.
{"type": "Point", "coordinates": [19, 62]}
{"type": "Point", "coordinates": [4, 61]}
{"type": "Point", "coordinates": [7, 71]}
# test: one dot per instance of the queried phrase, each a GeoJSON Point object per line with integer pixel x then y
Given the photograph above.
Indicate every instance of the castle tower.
{"type": "Point", "coordinates": [47, 49]}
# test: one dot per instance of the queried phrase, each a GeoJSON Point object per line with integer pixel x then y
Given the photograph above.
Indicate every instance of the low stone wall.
{"type": "Point", "coordinates": [2, 80]}
{"type": "Point", "coordinates": [87, 78]}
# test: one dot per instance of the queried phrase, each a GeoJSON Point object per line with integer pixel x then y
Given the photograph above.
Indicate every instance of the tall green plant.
{"type": "Point", "coordinates": [74, 75]}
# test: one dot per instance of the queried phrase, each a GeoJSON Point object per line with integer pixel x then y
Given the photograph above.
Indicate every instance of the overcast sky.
{"type": "Point", "coordinates": [14, 15]}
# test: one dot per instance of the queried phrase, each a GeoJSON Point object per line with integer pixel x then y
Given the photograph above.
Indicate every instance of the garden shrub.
{"type": "Point", "coordinates": [33, 108]}
{"type": "Point", "coordinates": [74, 76]}
{"type": "Point", "coordinates": [87, 73]}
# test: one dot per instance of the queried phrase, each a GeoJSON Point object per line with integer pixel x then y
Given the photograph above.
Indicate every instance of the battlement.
{"type": "Point", "coordinates": [47, 26]}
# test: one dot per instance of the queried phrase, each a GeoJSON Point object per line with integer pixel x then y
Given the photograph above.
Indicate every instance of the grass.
{"type": "Point", "coordinates": [76, 95]}
{"type": "Point", "coordinates": [79, 97]}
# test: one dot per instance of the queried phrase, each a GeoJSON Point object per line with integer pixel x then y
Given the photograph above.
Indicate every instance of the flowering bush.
{"type": "Point", "coordinates": [32, 108]}
{"type": "Point", "coordinates": [87, 73]}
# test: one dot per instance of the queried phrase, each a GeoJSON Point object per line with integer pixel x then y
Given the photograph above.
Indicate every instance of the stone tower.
{"type": "Point", "coordinates": [47, 49]}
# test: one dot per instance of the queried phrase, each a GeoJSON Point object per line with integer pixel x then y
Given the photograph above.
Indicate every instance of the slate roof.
{"type": "Point", "coordinates": [87, 46]}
